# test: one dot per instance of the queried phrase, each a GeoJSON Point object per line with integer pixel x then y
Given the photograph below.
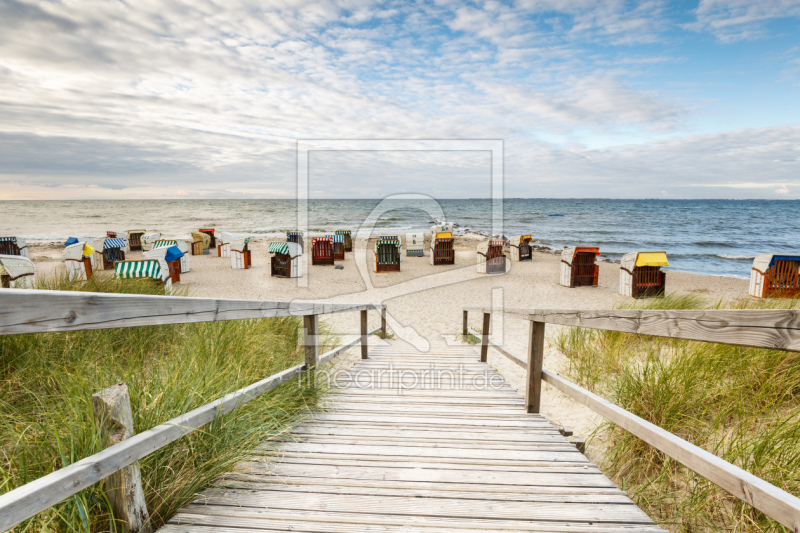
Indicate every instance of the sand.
{"type": "Point", "coordinates": [425, 302]}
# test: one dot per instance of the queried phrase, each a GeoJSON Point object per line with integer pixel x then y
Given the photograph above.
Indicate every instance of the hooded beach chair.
{"type": "Point", "coordinates": [775, 276]}
{"type": "Point", "coordinates": [240, 253]}
{"type": "Point", "coordinates": [394, 238]}
{"type": "Point", "coordinates": [200, 243]}
{"type": "Point", "coordinates": [135, 239]}
{"type": "Point", "coordinates": [387, 254]}
{"type": "Point", "coordinates": [78, 259]}
{"type": "Point", "coordinates": [348, 239]}
{"type": "Point", "coordinates": [111, 251]}
{"type": "Point", "coordinates": [17, 272]}
{"type": "Point", "coordinates": [579, 267]}
{"type": "Point", "coordinates": [640, 274]}
{"type": "Point", "coordinates": [183, 246]}
{"type": "Point", "coordinates": [295, 236]}
{"type": "Point", "coordinates": [148, 239]}
{"type": "Point", "coordinates": [212, 244]}
{"type": "Point", "coordinates": [154, 268]}
{"type": "Point", "coordinates": [286, 260]}
{"type": "Point", "coordinates": [415, 244]}
{"type": "Point", "coordinates": [224, 240]}
{"type": "Point", "coordinates": [338, 246]}
{"type": "Point", "coordinates": [490, 257]}
{"type": "Point", "coordinates": [520, 248]}
{"type": "Point", "coordinates": [11, 245]}
{"type": "Point", "coordinates": [442, 250]}
{"type": "Point", "coordinates": [321, 251]}
{"type": "Point", "coordinates": [111, 234]}
{"type": "Point", "coordinates": [171, 255]}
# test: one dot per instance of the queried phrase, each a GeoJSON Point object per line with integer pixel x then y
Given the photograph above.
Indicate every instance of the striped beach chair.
{"type": "Point", "coordinates": [579, 266]}
{"type": "Point", "coordinates": [78, 259]}
{"type": "Point", "coordinates": [171, 255]}
{"type": "Point", "coordinates": [775, 276]}
{"type": "Point", "coordinates": [415, 244]}
{"type": "Point", "coordinates": [286, 260]}
{"type": "Point", "coordinates": [640, 274]}
{"type": "Point", "coordinates": [135, 239]}
{"type": "Point", "coordinates": [348, 239]}
{"type": "Point", "coordinates": [338, 246]}
{"type": "Point", "coordinates": [240, 253]}
{"type": "Point", "coordinates": [11, 245]}
{"type": "Point", "coordinates": [520, 248]}
{"type": "Point", "coordinates": [17, 272]}
{"type": "Point", "coordinates": [321, 251]}
{"type": "Point", "coordinates": [144, 268]}
{"type": "Point", "coordinates": [113, 250]}
{"type": "Point", "coordinates": [295, 236]}
{"type": "Point", "coordinates": [491, 259]}
{"type": "Point", "coordinates": [387, 255]}
{"type": "Point", "coordinates": [148, 239]}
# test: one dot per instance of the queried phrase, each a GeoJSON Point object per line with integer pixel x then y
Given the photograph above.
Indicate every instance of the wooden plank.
{"type": "Point", "coordinates": [364, 341]}
{"type": "Point", "coordinates": [533, 388]}
{"type": "Point", "coordinates": [26, 501]}
{"type": "Point", "coordinates": [767, 498]}
{"type": "Point", "coordinates": [311, 340]}
{"type": "Point", "coordinates": [777, 329]}
{"type": "Point", "coordinates": [485, 336]}
{"type": "Point", "coordinates": [38, 311]}
{"type": "Point", "coordinates": [465, 323]}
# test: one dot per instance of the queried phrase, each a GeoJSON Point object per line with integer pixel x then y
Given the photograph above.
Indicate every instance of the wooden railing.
{"type": "Point", "coordinates": [772, 329]}
{"type": "Point", "coordinates": [34, 311]}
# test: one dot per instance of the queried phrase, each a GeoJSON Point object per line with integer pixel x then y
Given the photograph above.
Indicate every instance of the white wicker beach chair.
{"type": "Point", "coordinates": [520, 248]}
{"type": "Point", "coordinates": [490, 258]}
{"type": "Point", "coordinates": [240, 254]}
{"type": "Point", "coordinates": [148, 239]}
{"type": "Point", "coordinates": [17, 272]}
{"type": "Point", "coordinates": [78, 259]}
{"type": "Point", "coordinates": [415, 244]}
{"type": "Point", "coordinates": [172, 256]}
{"type": "Point", "coordinates": [12, 245]}
{"type": "Point", "coordinates": [154, 268]}
{"type": "Point", "coordinates": [224, 243]}
{"type": "Point", "coordinates": [775, 276]}
{"type": "Point", "coordinates": [640, 274]}
{"type": "Point", "coordinates": [579, 267]}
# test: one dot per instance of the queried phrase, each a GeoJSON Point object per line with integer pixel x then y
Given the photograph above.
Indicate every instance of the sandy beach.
{"type": "Point", "coordinates": [425, 303]}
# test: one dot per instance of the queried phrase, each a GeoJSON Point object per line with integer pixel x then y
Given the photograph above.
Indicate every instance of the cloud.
{"type": "Point", "coordinates": [738, 20]}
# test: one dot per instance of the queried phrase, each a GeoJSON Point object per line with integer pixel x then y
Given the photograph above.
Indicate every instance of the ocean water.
{"type": "Point", "coordinates": [718, 237]}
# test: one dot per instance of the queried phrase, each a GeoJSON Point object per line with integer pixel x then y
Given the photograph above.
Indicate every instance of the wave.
{"type": "Point", "coordinates": [734, 257]}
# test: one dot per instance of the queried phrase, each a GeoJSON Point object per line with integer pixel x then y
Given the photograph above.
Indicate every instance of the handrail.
{"type": "Point", "coordinates": [35, 311]}
{"type": "Point", "coordinates": [775, 329]}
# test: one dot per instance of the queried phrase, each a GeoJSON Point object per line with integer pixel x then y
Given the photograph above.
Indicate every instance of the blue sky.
{"type": "Point", "coordinates": [154, 99]}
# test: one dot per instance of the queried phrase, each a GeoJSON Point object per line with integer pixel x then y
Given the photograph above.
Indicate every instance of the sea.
{"type": "Point", "coordinates": [719, 237]}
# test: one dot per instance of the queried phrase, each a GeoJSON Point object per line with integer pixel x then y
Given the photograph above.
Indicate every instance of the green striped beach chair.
{"type": "Point", "coordinates": [387, 255]}
{"type": "Point", "coordinates": [145, 268]}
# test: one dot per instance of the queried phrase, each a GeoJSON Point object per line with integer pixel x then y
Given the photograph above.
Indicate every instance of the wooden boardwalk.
{"type": "Point", "coordinates": [441, 457]}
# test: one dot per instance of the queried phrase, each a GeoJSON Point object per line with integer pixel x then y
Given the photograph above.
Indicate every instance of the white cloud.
{"type": "Point", "coordinates": [737, 20]}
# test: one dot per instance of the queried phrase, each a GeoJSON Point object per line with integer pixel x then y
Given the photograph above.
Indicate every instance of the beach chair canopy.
{"type": "Point", "coordinates": [240, 244]}
{"type": "Point", "coordinates": [389, 241]}
{"type": "Point", "coordinates": [444, 227]}
{"type": "Point", "coordinates": [227, 237]}
{"type": "Point", "coordinates": [168, 254]}
{"type": "Point", "coordinates": [483, 248]}
{"type": "Point", "coordinates": [136, 232]}
{"type": "Point", "coordinates": [762, 262]}
{"type": "Point", "coordinates": [164, 243]}
{"type": "Point", "coordinates": [70, 241]}
{"type": "Point", "coordinates": [152, 236]}
{"type": "Point", "coordinates": [16, 266]}
{"type": "Point", "coordinates": [343, 232]}
{"type": "Point", "coordinates": [78, 250]}
{"type": "Point", "coordinates": [336, 238]}
{"type": "Point", "coordinates": [292, 249]}
{"type": "Point", "coordinates": [148, 268]}
{"type": "Point", "coordinates": [641, 259]}
{"type": "Point", "coordinates": [294, 233]}
{"type": "Point", "coordinates": [516, 240]}
{"type": "Point", "coordinates": [415, 238]}
{"type": "Point", "coordinates": [109, 244]}
{"type": "Point", "coordinates": [569, 252]}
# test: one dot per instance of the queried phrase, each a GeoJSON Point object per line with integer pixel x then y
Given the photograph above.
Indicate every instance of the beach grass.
{"type": "Point", "coordinates": [46, 383]}
{"type": "Point", "coordinates": [742, 404]}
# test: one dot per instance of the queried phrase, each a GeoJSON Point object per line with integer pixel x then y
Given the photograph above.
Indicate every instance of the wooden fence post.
{"type": "Point", "coordinates": [465, 325]}
{"type": "Point", "coordinates": [383, 322]}
{"type": "Point", "coordinates": [364, 339]}
{"type": "Point", "coordinates": [485, 337]}
{"type": "Point", "coordinates": [311, 340]}
{"type": "Point", "coordinates": [112, 410]}
{"type": "Point", "coordinates": [533, 390]}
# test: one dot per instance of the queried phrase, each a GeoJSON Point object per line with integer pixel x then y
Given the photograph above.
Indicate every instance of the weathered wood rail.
{"type": "Point", "coordinates": [32, 311]}
{"type": "Point", "coordinates": [772, 329]}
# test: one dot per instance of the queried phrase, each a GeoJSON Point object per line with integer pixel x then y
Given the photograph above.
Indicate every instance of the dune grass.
{"type": "Point", "coordinates": [46, 383]}
{"type": "Point", "coordinates": [742, 404]}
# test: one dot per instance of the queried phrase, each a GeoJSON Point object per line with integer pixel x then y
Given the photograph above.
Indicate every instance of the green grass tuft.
{"type": "Point", "coordinates": [46, 383]}
{"type": "Point", "coordinates": [742, 404]}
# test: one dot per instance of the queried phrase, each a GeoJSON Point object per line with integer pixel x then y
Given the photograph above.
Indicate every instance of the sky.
{"type": "Point", "coordinates": [590, 98]}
